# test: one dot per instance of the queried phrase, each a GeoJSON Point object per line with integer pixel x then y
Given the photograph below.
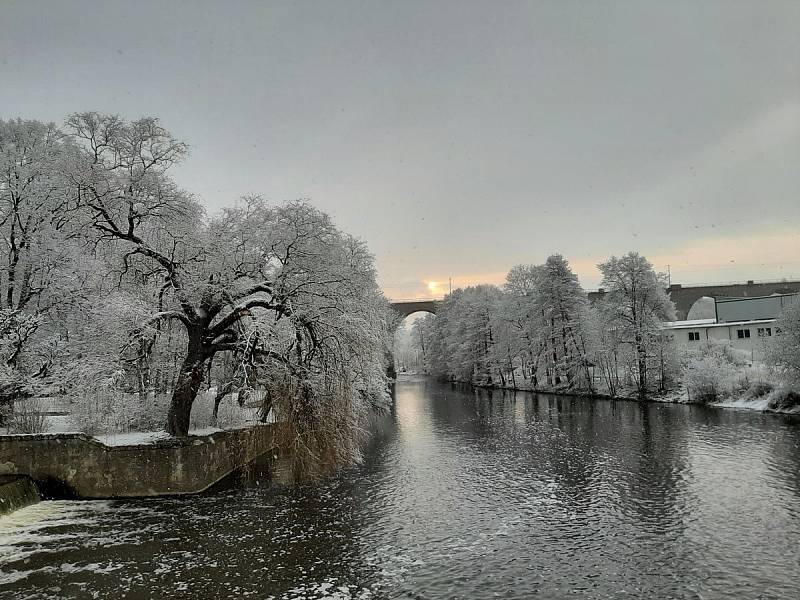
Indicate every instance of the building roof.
{"type": "Point", "coordinates": [691, 322]}
{"type": "Point", "coordinates": [708, 323]}
{"type": "Point", "coordinates": [720, 299]}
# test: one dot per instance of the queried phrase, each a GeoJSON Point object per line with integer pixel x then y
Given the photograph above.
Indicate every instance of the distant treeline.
{"type": "Point", "coordinates": [539, 331]}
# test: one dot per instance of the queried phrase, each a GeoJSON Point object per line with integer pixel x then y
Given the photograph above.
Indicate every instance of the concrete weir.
{"type": "Point", "coordinates": [75, 465]}
{"type": "Point", "coordinates": [16, 491]}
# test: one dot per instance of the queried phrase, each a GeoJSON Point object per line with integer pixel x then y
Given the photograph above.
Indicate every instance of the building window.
{"type": "Point", "coordinates": [694, 336]}
{"type": "Point", "coordinates": [765, 332]}
{"type": "Point", "coordinates": [742, 333]}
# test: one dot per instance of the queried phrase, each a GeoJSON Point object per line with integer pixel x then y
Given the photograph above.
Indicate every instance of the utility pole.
{"type": "Point", "coordinates": [669, 276]}
{"type": "Point", "coordinates": [450, 284]}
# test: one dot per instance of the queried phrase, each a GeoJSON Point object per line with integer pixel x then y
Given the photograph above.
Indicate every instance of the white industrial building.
{"type": "Point", "coordinates": [744, 323]}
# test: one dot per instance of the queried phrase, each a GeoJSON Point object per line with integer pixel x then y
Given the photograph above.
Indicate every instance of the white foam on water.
{"type": "Point", "coordinates": [22, 531]}
{"type": "Point", "coordinates": [329, 589]}
{"type": "Point", "coordinates": [43, 514]}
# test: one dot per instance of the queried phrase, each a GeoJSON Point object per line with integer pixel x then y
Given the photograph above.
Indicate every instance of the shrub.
{"type": "Point", "coordinates": [28, 417]}
{"type": "Point", "coordinates": [712, 373]}
{"type": "Point", "coordinates": [12, 388]}
{"type": "Point", "coordinates": [758, 389]}
{"type": "Point", "coordinates": [102, 409]}
{"type": "Point", "coordinates": [784, 399]}
{"type": "Point", "coordinates": [783, 352]}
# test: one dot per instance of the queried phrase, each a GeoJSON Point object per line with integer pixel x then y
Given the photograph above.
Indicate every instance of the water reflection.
{"type": "Point", "coordinates": [463, 494]}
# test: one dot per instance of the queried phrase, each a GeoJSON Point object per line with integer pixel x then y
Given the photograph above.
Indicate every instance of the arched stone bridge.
{"type": "Point", "coordinates": [407, 307]}
{"type": "Point", "coordinates": [685, 296]}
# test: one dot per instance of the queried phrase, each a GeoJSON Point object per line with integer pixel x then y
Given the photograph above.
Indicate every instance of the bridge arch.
{"type": "Point", "coordinates": [702, 308]}
{"type": "Point", "coordinates": [685, 296]}
{"type": "Point", "coordinates": [408, 352]}
{"type": "Point", "coordinates": [409, 307]}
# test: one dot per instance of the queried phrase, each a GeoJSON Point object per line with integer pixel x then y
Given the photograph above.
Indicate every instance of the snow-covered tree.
{"type": "Point", "coordinates": [462, 344]}
{"type": "Point", "coordinates": [635, 304]}
{"type": "Point", "coordinates": [783, 352]}
{"type": "Point", "coordinates": [546, 310]}
{"type": "Point", "coordinates": [40, 253]}
{"type": "Point", "coordinates": [412, 343]}
{"type": "Point", "coordinates": [524, 319]}
{"type": "Point", "coordinates": [712, 371]}
{"type": "Point", "coordinates": [606, 348]}
{"type": "Point", "coordinates": [421, 334]}
{"type": "Point", "coordinates": [562, 304]}
{"type": "Point", "coordinates": [279, 287]}
{"type": "Point", "coordinates": [33, 201]}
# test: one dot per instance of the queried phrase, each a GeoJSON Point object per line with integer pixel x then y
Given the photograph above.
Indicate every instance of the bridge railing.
{"type": "Point", "coordinates": [744, 283]}
{"type": "Point", "coordinates": [412, 300]}
{"type": "Point", "coordinates": [685, 286]}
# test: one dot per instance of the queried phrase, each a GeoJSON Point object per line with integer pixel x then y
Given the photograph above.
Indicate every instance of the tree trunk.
{"type": "Point", "coordinates": [391, 372]}
{"type": "Point", "coordinates": [641, 355]}
{"type": "Point", "coordinates": [187, 386]}
{"type": "Point", "coordinates": [222, 391]}
{"type": "Point", "coordinates": [511, 366]}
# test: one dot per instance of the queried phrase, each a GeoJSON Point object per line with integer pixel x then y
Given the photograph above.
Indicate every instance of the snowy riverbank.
{"type": "Point", "coordinates": [772, 402]}
{"type": "Point", "coordinates": [129, 419]}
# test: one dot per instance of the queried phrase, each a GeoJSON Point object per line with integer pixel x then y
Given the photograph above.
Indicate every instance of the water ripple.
{"type": "Point", "coordinates": [461, 495]}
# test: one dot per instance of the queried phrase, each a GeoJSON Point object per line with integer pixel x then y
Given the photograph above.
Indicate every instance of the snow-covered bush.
{"type": "Point", "coordinates": [230, 413]}
{"type": "Point", "coordinates": [783, 352]}
{"type": "Point", "coordinates": [712, 373]}
{"type": "Point", "coordinates": [101, 407]}
{"type": "Point", "coordinates": [12, 386]}
{"type": "Point", "coordinates": [636, 305]}
{"type": "Point", "coordinates": [28, 416]}
{"type": "Point", "coordinates": [784, 399]}
{"type": "Point", "coordinates": [106, 410]}
{"type": "Point", "coordinates": [758, 389]}
{"type": "Point", "coordinates": [202, 415]}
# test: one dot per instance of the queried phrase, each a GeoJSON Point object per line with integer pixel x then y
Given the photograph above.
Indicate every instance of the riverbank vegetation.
{"type": "Point", "coordinates": [116, 284]}
{"type": "Point", "coordinates": [539, 332]}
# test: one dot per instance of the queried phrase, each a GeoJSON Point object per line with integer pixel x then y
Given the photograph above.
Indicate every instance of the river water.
{"type": "Point", "coordinates": [462, 494]}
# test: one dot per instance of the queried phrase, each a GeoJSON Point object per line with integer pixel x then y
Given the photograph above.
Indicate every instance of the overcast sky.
{"type": "Point", "coordinates": [459, 138]}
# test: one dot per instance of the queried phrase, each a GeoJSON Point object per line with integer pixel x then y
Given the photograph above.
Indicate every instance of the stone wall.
{"type": "Point", "coordinates": [79, 466]}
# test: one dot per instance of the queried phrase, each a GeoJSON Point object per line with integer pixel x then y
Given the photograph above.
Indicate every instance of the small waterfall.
{"type": "Point", "coordinates": [17, 491]}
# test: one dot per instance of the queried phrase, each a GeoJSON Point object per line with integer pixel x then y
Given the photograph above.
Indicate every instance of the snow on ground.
{"type": "Point", "coordinates": [750, 404]}
{"type": "Point", "coordinates": [132, 438]}
{"type": "Point", "coordinates": [676, 396]}
{"type": "Point", "coordinates": [205, 431]}
{"type": "Point", "coordinates": [137, 438]}
{"type": "Point", "coordinates": [129, 419]}
{"type": "Point", "coordinates": [60, 424]}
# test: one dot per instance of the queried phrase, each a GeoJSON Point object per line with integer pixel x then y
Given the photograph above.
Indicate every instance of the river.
{"type": "Point", "coordinates": [461, 494]}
